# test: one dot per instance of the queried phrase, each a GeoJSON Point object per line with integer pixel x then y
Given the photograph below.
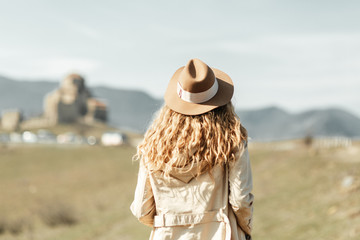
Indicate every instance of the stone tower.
{"type": "Point", "coordinates": [72, 102]}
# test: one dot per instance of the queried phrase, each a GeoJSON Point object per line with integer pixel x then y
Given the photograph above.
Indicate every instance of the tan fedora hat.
{"type": "Point", "coordinates": [196, 88]}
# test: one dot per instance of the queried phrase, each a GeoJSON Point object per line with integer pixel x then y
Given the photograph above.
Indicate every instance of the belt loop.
{"type": "Point", "coordinates": [159, 220]}
{"type": "Point", "coordinates": [163, 220]}
{"type": "Point", "coordinates": [221, 211]}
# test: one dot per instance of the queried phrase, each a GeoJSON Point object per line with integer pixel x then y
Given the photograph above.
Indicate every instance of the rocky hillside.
{"type": "Point", "coordinates": [273, 123]}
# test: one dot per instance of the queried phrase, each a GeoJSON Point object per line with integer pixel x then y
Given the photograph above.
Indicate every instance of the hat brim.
{"type": "Point", "coordinates": [222, 97]}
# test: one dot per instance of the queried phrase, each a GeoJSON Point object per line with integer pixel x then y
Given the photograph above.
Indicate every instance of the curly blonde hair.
{"type": "Point", "coordinates": [177, 140]}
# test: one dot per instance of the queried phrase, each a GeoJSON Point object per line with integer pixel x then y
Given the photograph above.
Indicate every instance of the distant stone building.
{"type": "Point", "coordinates": [11, 120]}
{"type": "Point", "coordinates": [95, 110]}
{"type": "Point", "coordinates": [72, 102]}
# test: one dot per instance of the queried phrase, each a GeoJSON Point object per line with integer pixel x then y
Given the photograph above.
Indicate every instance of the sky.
{"type": "Point", "coordinates": [293, 54]}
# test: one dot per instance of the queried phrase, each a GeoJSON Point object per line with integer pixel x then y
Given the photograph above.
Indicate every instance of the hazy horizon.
{"type": "Point", "coordinates": [290, 111]}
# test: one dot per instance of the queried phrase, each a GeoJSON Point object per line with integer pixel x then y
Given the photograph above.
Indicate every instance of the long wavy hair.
{"type": "Point", "coordinates": [183, 141]}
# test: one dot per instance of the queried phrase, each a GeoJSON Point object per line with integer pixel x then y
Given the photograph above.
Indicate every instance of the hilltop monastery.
{"type": "Point", "coordinates": [72, 102]}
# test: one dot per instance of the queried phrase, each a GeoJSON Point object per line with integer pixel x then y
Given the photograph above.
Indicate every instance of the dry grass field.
{"type": "Point", "coordinates": [84, 193]}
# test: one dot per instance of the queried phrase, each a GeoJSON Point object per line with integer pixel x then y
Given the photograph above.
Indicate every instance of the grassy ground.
{"type": "Point", "coordinates": [84, 193]}
{"type": "Point", "coordinates": [299, 193]}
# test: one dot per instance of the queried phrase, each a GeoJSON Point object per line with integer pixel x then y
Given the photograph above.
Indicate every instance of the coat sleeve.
{"type": "Point", "coordinates": [240, 186]}
{"type": "Point", "coordinates": [143, 206]}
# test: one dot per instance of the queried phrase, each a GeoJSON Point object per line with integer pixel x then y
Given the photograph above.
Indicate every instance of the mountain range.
{"type": "Point", "coordinates": [273, 123]}
{"type": "Point", "coordinates": [134, 109]}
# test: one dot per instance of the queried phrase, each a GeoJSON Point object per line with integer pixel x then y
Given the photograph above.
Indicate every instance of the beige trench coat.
{"type": "Point", "coordinates": [217, 207]}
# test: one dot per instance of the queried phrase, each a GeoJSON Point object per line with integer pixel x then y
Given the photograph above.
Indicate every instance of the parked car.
{"type": "Point", "coordinates": [113, 139]}
{"type": "Point", "coordinates": [46, 136]}
{"type": "Point", "coordinates": [70, 138]}
{"type": "Point", "coordinates": [4, 138]}
{"type": "Point", "coordinates": [91, 140]}
{"type": "Point", "coordinates": [29, 137]}
{"type": "Point", "coordinates": [15, 137]}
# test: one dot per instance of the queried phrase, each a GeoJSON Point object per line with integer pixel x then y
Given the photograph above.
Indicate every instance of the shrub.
{"type": "Point", "coordinates": [308, 140]}
{"type": "Point", "coordinates": [58, 213]}
{"type": "Point", "coordinates": [15, 226]}
{"type": "Point", "coordinates": [2, 225]}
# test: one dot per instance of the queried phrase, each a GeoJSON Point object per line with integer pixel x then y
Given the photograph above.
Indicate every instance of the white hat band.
{"type": "Point", "coordinates": [199, 97]}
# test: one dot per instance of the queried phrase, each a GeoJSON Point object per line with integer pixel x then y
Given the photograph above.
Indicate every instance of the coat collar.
{"type": "Point", "coordinates": [184, 174]}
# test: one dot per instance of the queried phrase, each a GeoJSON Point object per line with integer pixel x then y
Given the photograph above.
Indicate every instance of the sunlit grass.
{"type": "Point", "coordinates": [298, 193]}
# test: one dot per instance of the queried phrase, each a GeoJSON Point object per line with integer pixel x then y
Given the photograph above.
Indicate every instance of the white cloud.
{"type": "Point", "coordinates": [56, 66]}
{"type": "Point", "coordinates": [79, 28]}
{"type": "Point", "coordinates": [53, 67]}
{"type": "Point", "coordinates": [307, 56]}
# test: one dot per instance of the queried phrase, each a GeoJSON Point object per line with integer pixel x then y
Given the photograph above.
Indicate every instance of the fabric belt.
{"type": "Point", "coordinates": [172, 220]}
